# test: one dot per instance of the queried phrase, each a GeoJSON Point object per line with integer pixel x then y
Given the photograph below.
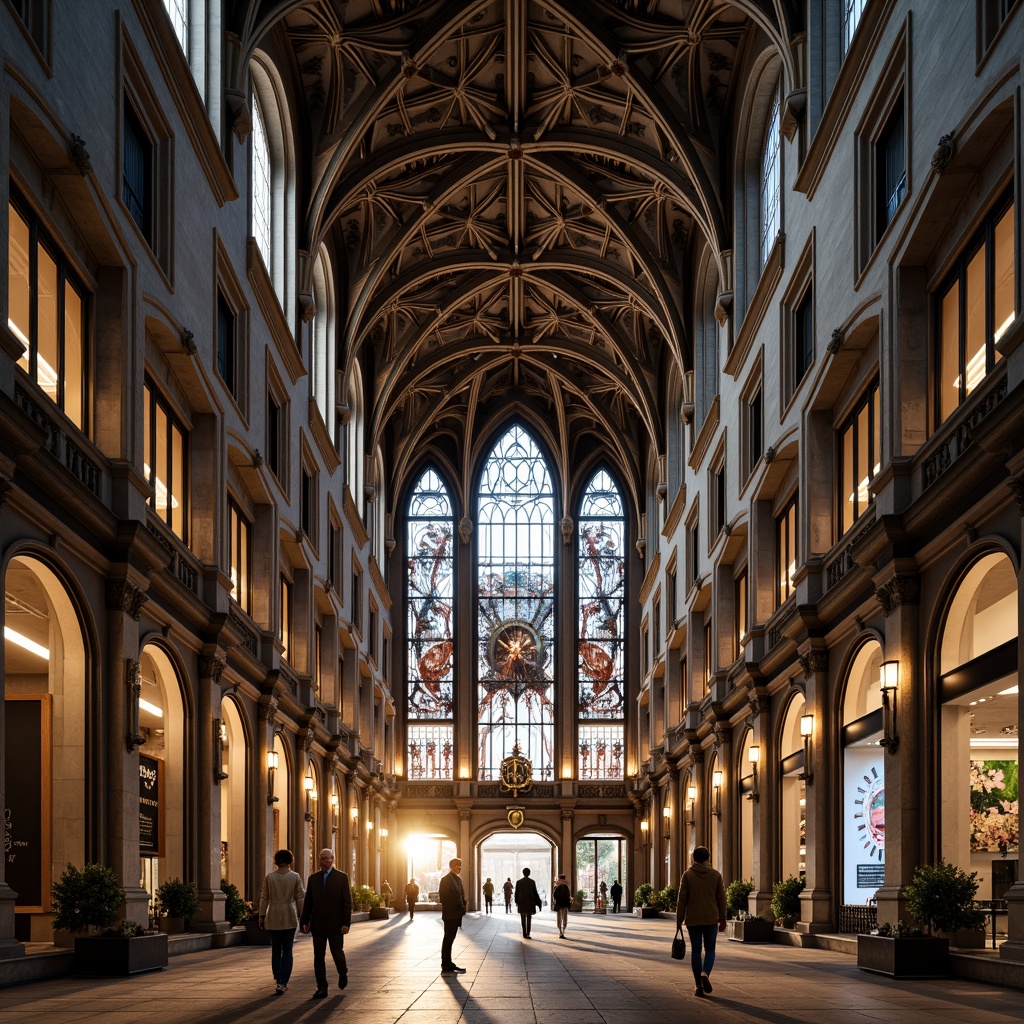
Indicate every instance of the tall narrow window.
{"type": "Point", "coordinates": [693, 545]}
{"type": "Point", "coordinates": [318, 652]}
{"type": "Point", "coordinates": [241, 557]}
{"type": "Point", "coordinates": [975, 308]}
{"type": "Point", "coordinates": [285, 635]}
{"type": "Point", "coordinates": [601, 630]}
{"type": "Point", "coordinates": [770, 178]}
{"type": "Point", "coordinates": [177, 11]}
{"type": "Point", "coordinates": [306, 502]}
{"type": "Point", "coordinates": [515, 607]}
{"type": "Point", "coordinates": [851, 19]}
{"type": "Point", "coordinates": [803, 338]}
{"type": "Point", "coordinates": [46, 313]}
{"type": "Point", "coordinates": [260, 197]}
{"type": "Point", "coordinates": [741, 610]}
{"type": "Point", "coordinates": [226, 343]}
{"type": "Point", "coordinates": [274, 435]}
{"type": "Point", "coordinates": [137, 172]}
{"type": "Point", "coordinates": [785, 553]}
{"type": "Point", "coordinates": [165, 461]}
{"type": "Point", "coordinates": [860, 457]}
{"type": "Point", "coordinates": [718, 494]}
{"type": "Point", "coordinates": [891, 168]}
{"type": "Point", "coordinates": [429, 631]}
{"type": "Point", "coordinates": [709, 655]}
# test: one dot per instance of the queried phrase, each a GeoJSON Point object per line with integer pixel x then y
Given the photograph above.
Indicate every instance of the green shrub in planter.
{"type": "Point", "coordinates": [644, 895]}
{"type": "Point", "coordinates": [90, 898]}
{"type": "Point", "coordinates": [786, 898]}
{"type": "Point", "coordinates": [364, 898]}
{"type": "Point", "coordinates": [666, 899]}
{"type": "Point", "coordinates": [737, 894]}
{"type": "Point", "coordinates": [236, 910]}
{"type": "Point", "coordinates": [942, 897]}
{"type": "Point", "coordinates": [176, 898]}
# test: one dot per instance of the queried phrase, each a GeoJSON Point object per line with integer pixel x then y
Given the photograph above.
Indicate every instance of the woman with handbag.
{"type": "Point", "coordinates": [701, 907]}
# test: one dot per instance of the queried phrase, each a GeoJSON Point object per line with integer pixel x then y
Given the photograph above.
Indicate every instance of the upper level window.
{"type": "Point", "coordinates": [851, 19]}
{"type": "Point", "coordinates": [785, 552]}
{"type": "Point", "coordinates": [285, 635]}
{"type": "Point", "coordinates": [860, 458]}
{"type": "Point", "coordinates": [46, 313]}
{"type": "Point", "coordinates": [976, 306]}
{"type": "Point", "coordinates": [166, 461]}
{"type": "Point", "coordinates": [261, 208]}
{"type": "Point", "coordinates": [601, 576]}
{"type": "Point", "coordinates": [515, 606]}
{"type": "Point", "coordinates": [226, 354]}
{"type": "Point", "coordinates": [803, 338]}
{"type": "Point", "coordinates": [241, 557]}
{"type": "Point", "coordinates": [137, 172]}
{"type": "Point", "coordinates": [429, 629]}
{"type": "Point", "coordinates": [770, 181]}
{"type": "Point", "coordinates": [178, 12]}
{"type": "Point", "coordinates": [890, 168]}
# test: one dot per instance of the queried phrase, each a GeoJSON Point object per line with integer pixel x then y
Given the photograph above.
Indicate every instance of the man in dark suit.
{"type": "Point", "coordinates": [527, 900]}
{"type": "Point", "coordinates": [453, 908]}
{"type": "Point", "coordinates": [327, 914]}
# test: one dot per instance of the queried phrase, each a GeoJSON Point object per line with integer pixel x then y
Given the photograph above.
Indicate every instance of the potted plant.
{"type": "Point", "coordinates": [236, 910]}
{"type": "Point", "coordinates": [576, 907]}
{"type": "Point", "coordinates": [643, 901]}
{"type": "Point", "coordinates": [177, 903]}
{"type": "Point", "coordinates": [737, 896]}
{"type": "Point", "coordinates": [786, 901]}
{"type": "Point", "coordinates": [254, 934]}
{"type": "Point", "coordinates": [366, 900]}
{"type": "Point", "coordinates": [941, 897]}
{"type": "Point", "coordinates": [747, 927]}
{"type": "Point", "coordinates": [667, 899]}
{"type": "Point", "coordinates": [89, 900]}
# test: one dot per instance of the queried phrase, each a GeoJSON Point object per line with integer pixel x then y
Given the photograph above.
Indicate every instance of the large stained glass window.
{"type": "Point", "coordinates": [601, 630]}
{"type": "Point", "coordinates": [515, 607]}
{"type": "Point", "coordinates": [429, 630]}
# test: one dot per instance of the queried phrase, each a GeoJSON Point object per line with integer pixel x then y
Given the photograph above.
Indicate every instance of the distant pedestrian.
{"type": "Point", "coordinates": [453, 909]}
{"type": "Point", "coordinates": [327, 915]}
{"type": "Point", "coordinates": [279, 908]}
{"type": "Point", "coordinates": [561, 897]}
{"type": "Point", "coordinates": [701, 907]}
{"type": "Point", "coordinates": [387, 893]}
{"type": "Point", "coordinates": [527, 901]}
{"type": "Point", "coordinates": [616, 891]}
{"type": "Point", "coordinates": [507, 890]}
{"type": "Point", "coordinates": [604, 895]}
{"type": "Point", "coordinates": [488, 888]}
{"type": "Point", "coordinates": [412, 894]}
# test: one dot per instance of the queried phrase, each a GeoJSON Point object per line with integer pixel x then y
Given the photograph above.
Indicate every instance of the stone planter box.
{"type": "Point", "coordinates": [255, 935]}
{"type": "Point", "coordinates": [117, 956]}
{"type": "Point", "coordinates": [646, 912]}
{"type": "Point", "coordinates": [171, 925]}
{"type": "Point", "coordinates": [903, 958]}
{"type": "Point", "coordinates": [378, 913]}
{"type": "Point", "coordinates": [754, 929]}
{"type": "Point", "coordinates": [965, 938]}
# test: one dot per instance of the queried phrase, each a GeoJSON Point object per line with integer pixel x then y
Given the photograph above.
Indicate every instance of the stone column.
{"type": "Point", "coordinates": [124, 598]}
{"type": "Point", "coordinates": [208, 834]}
{"type": "Point", "coordinates": [898, 590]}
{"type": "Point", "coordinates": [764, 806]}
{"type": "Point", "coordinates": [1013, 948]}
{"type": "Point", "coordinates": [263, 807]}
{"type": "Point", "coordinates": [728, 832]}
{"type": "Point", "coordinates": [567, 861]}
{"type": "Point", "coordinates": [816, 899]}
{"type": "Point", "coordinates": [470, 882]}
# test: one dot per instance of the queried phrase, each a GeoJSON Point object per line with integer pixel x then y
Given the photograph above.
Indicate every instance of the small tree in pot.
{"type": "Point", "coordinates": [942, 897]}
{"type": "Point", "coordinates": [177, 903]}
{"type": "Point", "coordinates": [643, 901]}
{"type": "Point", "coordinates": [786, 901]}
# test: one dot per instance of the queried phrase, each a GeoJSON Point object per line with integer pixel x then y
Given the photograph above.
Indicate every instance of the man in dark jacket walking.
{"type": "Point", "coordinates": [527, 900]}
{"type": "Point", "coordinates": [453, 909]}
{"type": "Point", "coordinates": [701, 907]}
{"type": "Point", "coordinates": [327, 914]}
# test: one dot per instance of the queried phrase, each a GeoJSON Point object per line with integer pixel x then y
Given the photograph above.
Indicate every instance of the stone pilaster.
{"type": "Point", "coordinates": [764, 840]}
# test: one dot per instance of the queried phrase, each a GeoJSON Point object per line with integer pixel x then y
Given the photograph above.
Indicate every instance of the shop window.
{"type": "Point", "coordinates": [166, 461]}
{"type": "Point", "coordinates": [860, 458]}
{"type": "Point", "coordinates": [241, 557]}
{"type": "Point", "coordinates": [47, 314]}
{"type": "Point", "coordinates": [785, 552]}
{"type": "Point", "coordinates": [976, 305]}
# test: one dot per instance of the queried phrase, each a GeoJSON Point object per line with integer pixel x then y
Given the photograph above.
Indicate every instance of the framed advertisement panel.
{"type": "Point", "coordinates": [151, 818]}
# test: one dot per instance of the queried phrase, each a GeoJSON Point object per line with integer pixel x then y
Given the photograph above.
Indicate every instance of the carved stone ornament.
{"type": "Point", "coordinates": [307, 307]}
{"type": "Point", "coordinates": [267, 711]}
{"type": "Point", "coordinates": [943, 152]}
{"type": "Point", "coordinates": [308, 737]}
{"type": "Point", "coordinates": [465, 814]}
{"type": "Point", "coordinates": [723, 307]}
{"type": "Point", "coordinates": [568, 528]}
{"type": "Point", "coordinates": [898, 590]}
{"type": "Point", "coordinates": [813, 661]}
{"type": "Point", "coordinates": [212, 666]}
{"type": "Point", "coordinates": [125, 596]}
{"type": "Point", "coordinates": [641, 546]}
{"type": "Point", "coordinates": [188, 341]}
{"type": "Point", "coordinates": [1016, 485]}
{"type": "Point", "coordinates": [465, 529]}
{"type": "Point", "coordinates": [769, 455]}
{"type": "Point", "coordinates": [760, 703]}
{"type": "Point", "coordinates": [257, 459]}
{"type": "Point", "coordinates": [5, 491]}
{"type": "Point", "coordinates": [566, 814]}
{"type": "Point", "coordinates": [835, 342]}
{"type": "Point", "coordinates": [697, 756]}
{"type": "Point", "coordinates": [80, 155]}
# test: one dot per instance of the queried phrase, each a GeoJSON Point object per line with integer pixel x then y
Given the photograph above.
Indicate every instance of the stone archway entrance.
{"type": "Point", "coordinates": [504, 855]}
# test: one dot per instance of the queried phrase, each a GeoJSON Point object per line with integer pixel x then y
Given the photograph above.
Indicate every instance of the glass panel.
{"type": "Point", "coordinates": [876, 435]}
{"type": "Point", "coordinates": [286, 618]}
{"type": "Point", "coordinates": [73, 382]}
{"type": "Point", "coordinates": [147, 421]}
{"type": "Point", "coordinates": [1003, 301]}
{"type": "Point", "coordinates": [243, 564]}
{"type": "Point", "coordinates": [600, 751]}
{"type": "Point", "coordinates": [863, 466]}
{"type": "Point", "coordinates": [176, 516]}
{"type": "Point", "coordinates": [430, 751]}
{"type": "Point", "coordinates": [974, 321]}
{"type": "Point", "coordinates": [949, 357]}
{"type": "Point", "coordinates": [741, 610]}
{"type": "Point", "coordinates": [178, 12]}
{"type": "Point", "coordinates": [261, 224]}
{"type": "Point", "coordinates": [848, 493]}
{"type": "Point", "coordinates": [515, 610]}
{"type": "Point", "coordinates": [160, 456]}
{"type": "Point", "coordinates": [18, 292]}
{"type": "Point", "coordinates": [770, 182]}
{"type": "Point", "coordinates": [47, 358]}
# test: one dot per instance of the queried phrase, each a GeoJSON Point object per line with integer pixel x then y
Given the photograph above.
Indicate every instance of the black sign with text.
{"type": "Point", "coordinates": [149, 805]}
{"type": "Point", "coordinates": [23, 813]}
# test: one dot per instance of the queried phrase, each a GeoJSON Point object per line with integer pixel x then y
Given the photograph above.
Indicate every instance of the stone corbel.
{"type": "Point", "coordinates": [238, 108]}
{"type": "Point", "coordinates": [307, 307]}
{"type": "Point", "coordinates": [465, 529]}
{"type": "Point", "coordinates": [79, 155]}
{"type": "Point", "coordinates": [793, 113]}
{"type": "Point", "coordinates": [943, 152]}
{"type": "Point", "coordinates": [133, 687]}
{"type": "Point", "coordinates": [188, 341]}
{"type": "Point", "coordinates": [723, 308]}
{"type": "Point", "coordinates": [568, 528]}
{"type": "Point", "coordinates": [896, 591]}
{"type": "Point", "coordinates": [835, 342]}
{"type": "Point", "coordinates": [1017, 486]}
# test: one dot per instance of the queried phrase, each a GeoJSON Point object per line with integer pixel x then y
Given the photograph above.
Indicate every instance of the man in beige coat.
{"type": "Point", "coordinates": [701, 907]}
{"type": "Point", "coordinates": [280, 906]}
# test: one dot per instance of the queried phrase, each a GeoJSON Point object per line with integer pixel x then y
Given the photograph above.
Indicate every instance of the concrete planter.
{"type": "Point", "coordinates": [965, 938]}
{"type": "Point", "coordinates": [116, 956]}
{"type": "Point", "coordinates": [753, 929]}
{"type": "Point", "coordinates": [171, 925]}
{"type": "Point", "coordinates": [378, 913]}
{"type": "Point", "coordinates": [903, 958]}
{"type": "Point", "coordinates": [646, 912]}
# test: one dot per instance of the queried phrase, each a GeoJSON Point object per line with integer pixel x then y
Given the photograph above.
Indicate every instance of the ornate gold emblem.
{"type": "Point", "coordinates": [515, 817]}
{"type": "Point", "coordinates": [516, 772]}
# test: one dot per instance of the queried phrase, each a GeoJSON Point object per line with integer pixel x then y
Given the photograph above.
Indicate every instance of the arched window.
{"type": "Point", "coordinates": [429, 629]}
{"type": "Point", "coordinates": [260, 185]}
{"type": "Point", "coordinates": [322, 335]}
{"type": "Point", "coordinates": [601, 629]}
{"type": "Point", "coordinates": [354, 439]}
{"type": "Point", "coordinates": [516, 606]}
{"type": "Point", "coordinates": [770, 177]}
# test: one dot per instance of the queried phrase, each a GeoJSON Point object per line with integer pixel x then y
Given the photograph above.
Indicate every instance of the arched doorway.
{"type": "Point", "coordinates": [233, 791]}
{"type": "Point", "coordinates": [792, 791]}
{"type": "Point", "coordinates": [745, 818]}
{"type": "Point", "coordinates": [46, 737]}
{"type": "Point", "coordinates": [602, 857]}
{"type": "Point", "coordinates": [504, 855]}
{"type": "Point", "coordinates": [427, 857]}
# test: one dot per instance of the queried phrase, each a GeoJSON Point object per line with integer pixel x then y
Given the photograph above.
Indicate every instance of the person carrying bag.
{"type": "Point", "coordinates": [679, 944]}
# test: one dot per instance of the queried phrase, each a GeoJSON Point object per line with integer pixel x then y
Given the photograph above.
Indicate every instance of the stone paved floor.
{"type": "Point", "coordinates": [612, 969]}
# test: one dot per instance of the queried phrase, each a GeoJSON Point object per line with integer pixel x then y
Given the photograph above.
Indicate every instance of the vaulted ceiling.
{"type": "Point", "coordinates": [518, 188]}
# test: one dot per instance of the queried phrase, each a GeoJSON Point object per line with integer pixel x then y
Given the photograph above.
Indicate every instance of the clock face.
{"type": "Point", "coordinates": [870, 814]}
